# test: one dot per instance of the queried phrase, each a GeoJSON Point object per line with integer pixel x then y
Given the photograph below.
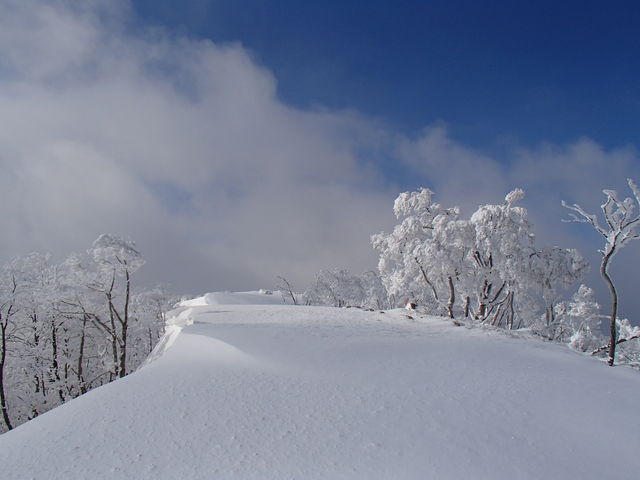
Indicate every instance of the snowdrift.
{"type": "Point", "coordinates": [263, 390]}
{"type": "Point", "coordinates": [263, 297]}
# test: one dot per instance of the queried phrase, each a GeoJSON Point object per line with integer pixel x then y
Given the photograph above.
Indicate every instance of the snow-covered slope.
{"type": "Point", "coordinates": [282, 392]}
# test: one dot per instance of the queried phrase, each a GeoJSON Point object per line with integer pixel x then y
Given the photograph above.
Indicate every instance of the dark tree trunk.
{"type": "Point", "coordinates": [114, 344]}
{"type": "Point", "coordinates": [3, 359]}
{"type": "Point", "coordinates": [427, 281]}
{"type": "Point", "coordinates": [481, 314]}
{"type": "Point", "coordinates": [452, 298]}
{"type": "Point", "coordinates": [285, 285]}
{"type": "Point", "coordinates": [36, 342]}
{"type": "Point", "coordinates": [123, 352]}
{"type": "Point", "coordinates": [55, 366]}
{"type": "Point", "coordinates": [79, 368]}
{"type": "Point", "coordinates": [481, 311]}
{"type": "Point", "coordinates": [604, 267]}
{"type": "Point", "coordinates": [125, 326]}
{"type": "Point", "coordinates": [549, 315]}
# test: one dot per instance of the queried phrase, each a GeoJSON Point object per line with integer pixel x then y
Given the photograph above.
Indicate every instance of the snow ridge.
{"type": "Point", "coordinates": [176, 320]}
{"type": "Point", "coordinates": [272, 391]}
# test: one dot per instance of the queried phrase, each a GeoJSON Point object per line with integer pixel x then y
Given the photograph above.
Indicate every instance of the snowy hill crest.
{"type": "Point", "coordinates": [274, 391]}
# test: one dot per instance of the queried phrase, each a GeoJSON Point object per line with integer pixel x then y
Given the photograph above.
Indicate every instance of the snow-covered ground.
{"type": "Point", "coordinates": [244, 387]}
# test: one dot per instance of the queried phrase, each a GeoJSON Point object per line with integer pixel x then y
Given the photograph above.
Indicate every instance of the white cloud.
{"type": "Point", "coordinates": [179, 143]}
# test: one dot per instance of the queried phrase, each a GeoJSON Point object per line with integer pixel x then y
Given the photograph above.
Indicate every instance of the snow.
{"type": "Point", "coordinates": [238, 298]}
{"type": "Point", "coordinates": [263, 390]}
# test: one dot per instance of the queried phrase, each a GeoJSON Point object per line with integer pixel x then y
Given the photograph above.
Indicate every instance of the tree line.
{"type": "Point", "coordinates": [69, 327]}
{"type": "Point", "coordinates": [487, 269]}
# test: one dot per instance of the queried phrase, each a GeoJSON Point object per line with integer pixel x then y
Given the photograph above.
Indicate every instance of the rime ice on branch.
{"type": "Point", "coordinates": [70, 327]}
{"type": "Point", "coordinates": [621, 226]}
{"type": "Point", "coordinates": [486, 267]}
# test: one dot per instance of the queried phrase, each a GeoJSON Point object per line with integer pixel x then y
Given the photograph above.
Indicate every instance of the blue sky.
{"type": "Point", "coordinates": [498, 73]}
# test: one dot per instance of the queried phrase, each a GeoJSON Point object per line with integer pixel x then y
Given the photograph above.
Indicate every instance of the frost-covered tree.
{"type": "Point", "coordinates": [116, 260]}
{"type": "Point", "coordinates": [148, 309]}
{"type": "Point", "coordinates": [553, 270]}
{"type": "Point", "coordinates": [341, 288]}
{"type": "Point", "coordinates": [488, 264]}
{"type": "Point", "coordinates": [576, 321]}
{"type": "Point", "coordinates": [375, 295]}
{"type": "Point", "coordinates": [446, 257]}
{"type": "Point", "coordinates": [286, 290]}
{"type": "Point", "coordinates": [337, 288]}
{"type": "Point", "coordinates": [67, 328]}
{"type": "Point", "coordinates": [410, 256]}
{"type": "Point", "coordinates": [8, 309]}
{"type": "Point", "coordinates": [45, 346]}
{"type": "Point", "coordinates": [36, 360]}
{"type": "Point", "coordinates": [504, 245]}
{"type": "Point", "coordinates": [628, 352]}
{"type": "Point", "coordinates": [620, 227]}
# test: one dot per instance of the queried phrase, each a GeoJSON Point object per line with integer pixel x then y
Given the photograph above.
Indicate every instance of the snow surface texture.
{"type": "Point", "coordinates": [282, 392]}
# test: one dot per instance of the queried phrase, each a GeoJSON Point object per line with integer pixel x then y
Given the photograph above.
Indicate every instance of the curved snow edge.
{"type": "Point", "coordinates": [176, 320]}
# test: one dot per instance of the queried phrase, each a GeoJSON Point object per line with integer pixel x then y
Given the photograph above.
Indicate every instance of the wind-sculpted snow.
{"type": "Point", "coordinates": [176, 321]}
{"type": "Point", "coordinates": [262, 297]}
{"type": "Point", "coordinates": [245, 298]}
{"type": "Point", "coordinates": [283, 392]}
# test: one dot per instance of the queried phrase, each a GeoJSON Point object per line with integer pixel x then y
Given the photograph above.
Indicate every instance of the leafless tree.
{"type": "Point", "coordinates": [285, 287]}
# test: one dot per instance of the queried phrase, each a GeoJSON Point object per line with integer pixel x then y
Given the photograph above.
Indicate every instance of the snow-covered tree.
{"type": "Point", "coordinates": [438, 260]}
{"type": "Point", "coordinates": [116, 259]}
{"type": "Point", "coordinates": [375, 295]}
{"type": "Point", "coordinates": [628, 352]}
{"type": "Point", "coordinates": [67, 328]}
{"type": "Point", "coordinates": [504, 244]}
{"type": "Point", "coordinates": [576, 321]}
{"type": "Point", "coordinates": [621, 223]}
{"type": "Point", "coordinates": [147, 321]}
{"type": "Point", "coordinates": [341, 288]}
{"type": "Point", "coordinates": [44, 346]}
{"type": "Point", "coordinates": [411, 256]}
{"type": "Point", "coordinates": [8, 309]}
{"type": "Point", "coordinates": [553, 270]}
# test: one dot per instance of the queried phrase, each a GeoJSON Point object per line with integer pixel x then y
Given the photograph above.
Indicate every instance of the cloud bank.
{"type": "Point", "coordinates": [185, 146]}
{"type": "Point", "coordinates": [179, 143]}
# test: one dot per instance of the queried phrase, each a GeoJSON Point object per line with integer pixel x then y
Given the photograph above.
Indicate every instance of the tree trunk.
{"type": "Point", "coordinates": [511, 311]}
{"type": "Point", "coordinates": [3, 358]}
{"type": "Point", "coordinates": [36, 343]}
{"type": "Point", "coordinates": [550, 314]}
{"type": "Point", "coordinates": [481, 311]}
{"type": "Point", "coordinates": [125, 327]}
{"type": "Point", "coordinates": [285, 285]}
{"type": "Point", "coordinates": [81, 383]}
{"type": "Point", "coordinates": [604, 267]}
{"type": "Point", "coordinates": [114, 344]}
{"type": "Point", "coordinates": [452, 298]}
{"type": "Point", "coordinates": [55, 365]}
{"type": "Point", "coordinates": [123, 352]}
{"type": "Point", "coordinates": [481, 314]}
{"type": "Point", "coordinates": [427, 281]}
